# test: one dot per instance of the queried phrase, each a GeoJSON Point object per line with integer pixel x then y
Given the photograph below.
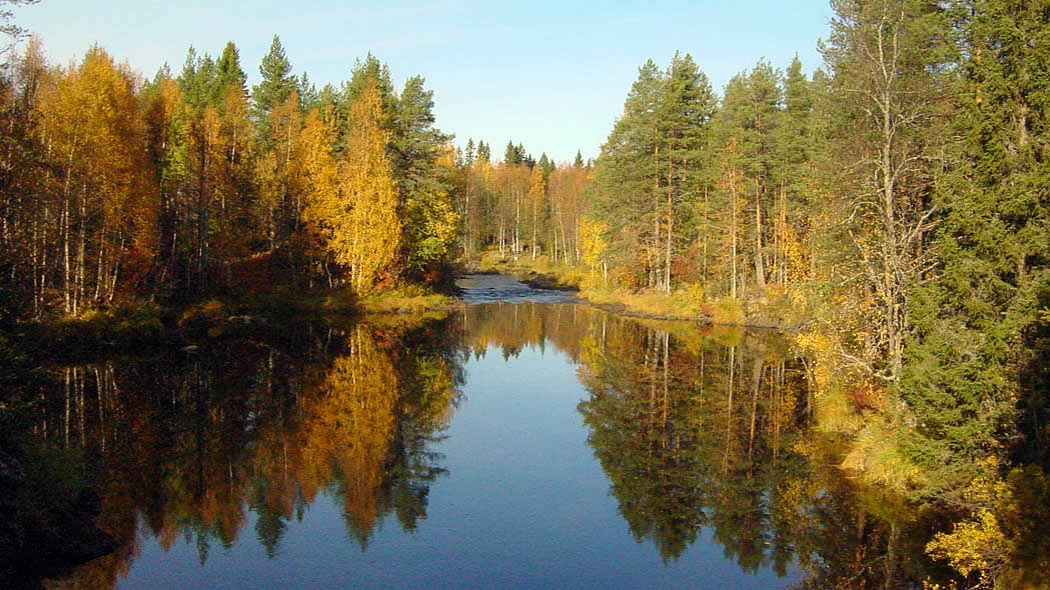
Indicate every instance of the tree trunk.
{"type": "Point", "coordinates": [760, 266]}
{"type": "Point", "coordinates": [733, 232]}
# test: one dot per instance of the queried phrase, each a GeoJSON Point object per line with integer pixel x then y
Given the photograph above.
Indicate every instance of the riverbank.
{"type": "Point", "coordinates": [145, 325]}
{"type": "Point", "coordinates": [773, 310]}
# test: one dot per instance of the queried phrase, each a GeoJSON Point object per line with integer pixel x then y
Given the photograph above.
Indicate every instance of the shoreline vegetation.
{"type": "Point", "coordinates": [686, 304]}
{"type": "Point", "coordinates": [155, 327]}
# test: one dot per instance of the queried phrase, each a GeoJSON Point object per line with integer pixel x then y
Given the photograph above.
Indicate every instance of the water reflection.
{"type": "Point", "coordinates": [699, 431]}
{"type": "Point", "coordinates": [701, 427]}
{"type": "Point", "coordinates": [186, 446]}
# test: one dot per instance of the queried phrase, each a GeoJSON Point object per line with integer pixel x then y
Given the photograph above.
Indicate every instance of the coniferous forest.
{"type": "Point", "coordinates": [888, 208]}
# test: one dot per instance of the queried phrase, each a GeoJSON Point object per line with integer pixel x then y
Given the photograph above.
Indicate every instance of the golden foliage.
{"type": "Point", "coordinates": [976, 545]}
{"type": "Point", "coordinates": [592, 242]}
{"type": "Point", "coordinates": [319, 173]}
{"type": "Point", "coordinates": [350, 426]}
{"type": "Point", "coordinates": [365, 232]}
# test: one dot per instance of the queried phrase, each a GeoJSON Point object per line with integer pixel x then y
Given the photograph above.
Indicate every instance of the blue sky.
{"type": "Point", "coordinates": [551, 75]}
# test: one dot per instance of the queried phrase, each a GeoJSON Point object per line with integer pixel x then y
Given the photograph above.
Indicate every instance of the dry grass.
{"type": "Point", "coordinates": [394, 303]}
{"type": "Point", "coordinates": [647, 302]}
{"type": "Point", "coordinates": [835, 412]}
{"type": "Point", "coordinates": [405, 299]}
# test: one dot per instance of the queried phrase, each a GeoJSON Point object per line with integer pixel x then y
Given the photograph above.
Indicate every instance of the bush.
{"type": "Point", "coordinates": [727, 310]}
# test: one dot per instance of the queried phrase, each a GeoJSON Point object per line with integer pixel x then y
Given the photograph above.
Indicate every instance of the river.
{"type": "Point", "coordinates": [525, 442]}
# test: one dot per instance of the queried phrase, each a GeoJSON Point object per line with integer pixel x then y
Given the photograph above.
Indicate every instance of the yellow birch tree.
{"type": "Point", "coordinates": [366, 233]}
{"type": "Point", "coordinates": [536, 199]}
{"type": "Point", "coordinates": [319, 171]}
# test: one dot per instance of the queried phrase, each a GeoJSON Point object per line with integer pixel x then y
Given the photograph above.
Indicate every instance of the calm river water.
{"type": "Point", "coordinates": [526, 442]}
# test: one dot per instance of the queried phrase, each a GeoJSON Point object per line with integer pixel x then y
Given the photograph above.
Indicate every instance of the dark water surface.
{"type": "Point", "coordinates": [513, 445]}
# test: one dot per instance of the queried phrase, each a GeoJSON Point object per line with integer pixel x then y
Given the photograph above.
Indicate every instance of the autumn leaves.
{"type": "Point", "coordinates": [351, 199]}
{"type": "Point", "coordinates": [118, 188]}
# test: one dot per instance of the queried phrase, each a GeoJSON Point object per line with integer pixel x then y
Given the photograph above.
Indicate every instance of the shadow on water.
{"type": "Point", "coordinates": [699, 431]}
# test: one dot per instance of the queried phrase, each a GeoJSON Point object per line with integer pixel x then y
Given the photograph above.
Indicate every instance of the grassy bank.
{"type": "Point", "coordinates": [772, 309]}
{"type": "Point", "coordinates": [145, 325]}
{"type": "Point", "coordinates": [405, 300]}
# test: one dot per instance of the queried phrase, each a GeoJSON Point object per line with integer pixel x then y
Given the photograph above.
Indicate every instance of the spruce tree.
{"type": "Point", "coordinates": [327, 99]}
{"type": "Point", "coordinates": [511, 155]}
{"type": "Point", "coordinates": [546, 165]}
{"type": "Point", "coordinates": [308, 94]}
{"type": "Point", "coordinates": [197, 78]}
{"type": "Point", "coordinates": [468, 154]}
{"type": "Point", "coordinates": [228, 73]}
{"type": "Point", "coordinates": [794, 176]}
{"type": "Point", "coordinates": [428, 218]}
{"type": "Point", "coordinates": [969, 361]}
{"type": "Point", "coordinates": [379, 73]}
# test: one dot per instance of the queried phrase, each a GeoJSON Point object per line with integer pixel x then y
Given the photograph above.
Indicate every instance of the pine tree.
{"type": "Point", "coordinates": [627, 180]}
{"type": "Point", "coordinates": [686, 110]}
{"type": "Point", "coordinates": [748, 123]}
{"type": "Point", "coordinates": [277, 80]}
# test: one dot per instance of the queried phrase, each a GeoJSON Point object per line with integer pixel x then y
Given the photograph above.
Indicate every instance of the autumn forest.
{"type": "Point", "coordinates": [887, 211]}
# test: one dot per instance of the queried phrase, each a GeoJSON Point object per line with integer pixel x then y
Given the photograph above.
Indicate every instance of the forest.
{"type": "Point", "coordinates": [890, 210]}
{"type": "Point", "coordinates": [189, 185]}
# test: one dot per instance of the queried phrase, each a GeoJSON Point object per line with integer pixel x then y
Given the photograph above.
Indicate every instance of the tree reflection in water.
{"type": "Point", "coordinates": [698, 430]}
{"type": "Point", "coordinates": [698, 426]}
{"type": "Point", "coordinates": [186, 446]}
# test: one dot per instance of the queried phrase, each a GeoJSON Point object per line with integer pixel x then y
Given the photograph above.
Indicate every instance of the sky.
{"type": "Point", "coordinates": [549, 75]}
